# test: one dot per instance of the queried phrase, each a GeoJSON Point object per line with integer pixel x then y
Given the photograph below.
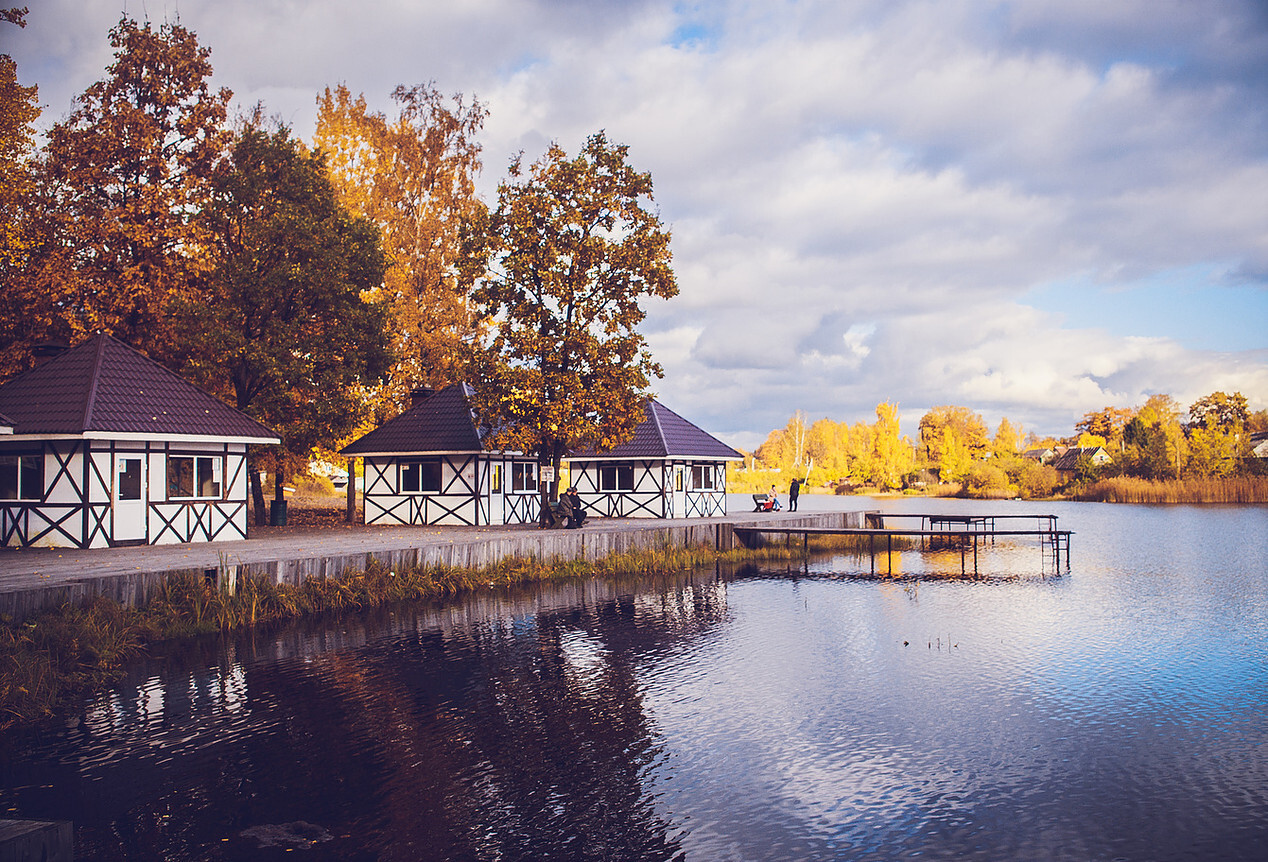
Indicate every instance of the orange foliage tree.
{"type": "Point", "coordinates": [559, 270]}
{"type": "Point", "coordinates": [414, 176]}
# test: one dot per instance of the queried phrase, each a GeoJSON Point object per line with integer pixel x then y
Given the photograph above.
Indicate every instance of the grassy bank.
{"type": "Point", "coordinates": [1122, 489]}
{"type": "Point", "coordinates": [51, 660]}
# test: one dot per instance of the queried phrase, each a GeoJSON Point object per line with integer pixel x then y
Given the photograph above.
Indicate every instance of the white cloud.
{"type": "Point", "coordinates": [862, 195]}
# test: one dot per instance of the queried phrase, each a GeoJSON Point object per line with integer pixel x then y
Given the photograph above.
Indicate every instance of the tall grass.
{"type": "Point", "coordinates": [1124, 489]}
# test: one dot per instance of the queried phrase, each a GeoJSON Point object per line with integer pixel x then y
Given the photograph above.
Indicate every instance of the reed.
{"type": "Point", "coordinates": [1125, 489]}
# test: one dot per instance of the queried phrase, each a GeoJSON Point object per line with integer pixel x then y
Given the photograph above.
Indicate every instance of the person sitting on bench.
{"type": "Point", "coordinates": [576, 511]}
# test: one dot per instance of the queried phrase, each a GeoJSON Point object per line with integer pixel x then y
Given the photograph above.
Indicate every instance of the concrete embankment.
{"type": "Point", "coordinates": [35, 578]}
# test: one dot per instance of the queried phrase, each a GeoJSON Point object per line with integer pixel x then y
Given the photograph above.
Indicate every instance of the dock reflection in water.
{"type": "Point", "coordinates": [1116, 711]}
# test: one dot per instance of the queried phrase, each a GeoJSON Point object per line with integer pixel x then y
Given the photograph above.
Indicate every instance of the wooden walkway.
{"type": "Point", "coordinates": [964, 532]}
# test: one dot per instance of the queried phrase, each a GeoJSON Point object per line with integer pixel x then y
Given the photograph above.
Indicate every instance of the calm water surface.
{"type": "Point", "coordinates": [1117, 710]}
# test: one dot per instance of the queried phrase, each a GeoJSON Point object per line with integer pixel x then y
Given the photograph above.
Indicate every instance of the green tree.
{"type": "Point", "coordinates": [282, 330]}
{"type": "Point", "coordinates": [559, 270]}
{"type": "Point", "coordinates": [1154, 442]}
{"type": "Point", "coordinates": [414, 176]}
{"type": "Point", "coordinates": [129, 171]}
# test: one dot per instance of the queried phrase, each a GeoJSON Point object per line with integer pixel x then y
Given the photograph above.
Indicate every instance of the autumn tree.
{"type": "Point", "coordinates": [559, 270]}
{"type": "Point", "coordinates": [1153, 441]}
{"type": "Point", "coordinates": [1217, 437]}
{"type": "Point", "coordinates": [968, 433]}
{"type": "Point", "coordinates": [19, 109]}
{"type": "Point", "coordinates": [129, 171]}
{"type": "Point", "coordinates": [893, 455]}
{"type": "Point", "coordinates": [1219, 410]}
{"type": "Point", "coordinates": [1107, 424]}
{"type": "Point", "coordinates": [282, 330]}
{"type": "Point", "coordinates": [414, 176]}
{"type": "Point", "coordinates": [1007, 440]}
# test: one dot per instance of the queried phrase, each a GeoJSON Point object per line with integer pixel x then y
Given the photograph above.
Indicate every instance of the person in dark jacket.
{"type": "Point", "coordinates": [794, 490]}
{"type": "Point", "coordinates": [578, 516]}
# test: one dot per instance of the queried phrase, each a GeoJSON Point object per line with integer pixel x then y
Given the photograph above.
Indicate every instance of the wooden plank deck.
{"type": "Point", "coordinates": [975, 527]}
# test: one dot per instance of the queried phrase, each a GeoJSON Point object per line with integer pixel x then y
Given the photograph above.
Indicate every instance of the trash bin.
{"type": "Point", "coordinates": [277, 513]}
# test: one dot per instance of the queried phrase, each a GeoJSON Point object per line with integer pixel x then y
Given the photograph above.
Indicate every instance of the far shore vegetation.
{"type": "Point", "coordinates": [1155, 453]}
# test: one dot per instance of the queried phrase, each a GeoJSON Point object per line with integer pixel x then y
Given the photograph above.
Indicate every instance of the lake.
{"type": "Point", "coordinates": [1117, 709]}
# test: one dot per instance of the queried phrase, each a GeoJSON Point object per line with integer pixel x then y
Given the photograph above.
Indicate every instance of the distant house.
{"type": "Point", "coordinates": [107, 447]}
{"type": "Point", "coordinates": [1042, 454]}
{"type": "Point", "coordinates": [1067, 463]}
{"type": "Point", "coordinates": [669, 469]}
{"type": "Point", "coordinates": [1259, 444]}
{"type": "Point", "coordinates": [430, 465]}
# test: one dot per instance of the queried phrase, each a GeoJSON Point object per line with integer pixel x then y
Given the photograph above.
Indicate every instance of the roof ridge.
{"type": "Point", "coordinates": [91, 401]}
{"type": "Point", "coordinates": [652, 404]}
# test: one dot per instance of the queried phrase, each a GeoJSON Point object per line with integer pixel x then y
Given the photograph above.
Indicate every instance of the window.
{"type": "Point", "coordinates": [495, 478]}
{"type": "Point", "coordinates": [21, 477]}
{"type": "Point", "coordinates": [616, 477]}
{"type": "Point", "coordinates": [420, 477]}
{"type": "Point", "coordinates": [524, 477]}
{"type": "Point", "coordinates": [702, 477]}
{"type": "Point", "coordinates": [196, 477]}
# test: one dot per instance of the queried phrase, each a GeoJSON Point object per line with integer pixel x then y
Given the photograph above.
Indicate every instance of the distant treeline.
{"type": "Point", "coordinates": [1119, 452]}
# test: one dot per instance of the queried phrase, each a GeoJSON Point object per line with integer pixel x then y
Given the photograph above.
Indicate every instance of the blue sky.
{"type": "Point", "coordinates": [1033, 209]}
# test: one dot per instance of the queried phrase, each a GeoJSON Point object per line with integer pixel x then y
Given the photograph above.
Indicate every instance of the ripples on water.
{"type": "Point", "coordinates": [1117, 710]}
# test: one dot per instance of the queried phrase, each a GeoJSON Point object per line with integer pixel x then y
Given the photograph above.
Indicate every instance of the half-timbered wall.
{"type": "Point", "coordinates": [77, 506]}
{"type": "Point", "coordinates": [465, 494]}
{"type": "Point", "coordinates": [651, 491]}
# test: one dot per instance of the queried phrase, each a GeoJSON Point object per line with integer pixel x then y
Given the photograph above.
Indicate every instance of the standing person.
{"type": "Point", "coordinates": [794, 491]}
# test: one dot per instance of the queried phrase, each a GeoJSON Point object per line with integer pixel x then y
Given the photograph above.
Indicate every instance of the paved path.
{"type": "Point", "coordinates": [38, 570]}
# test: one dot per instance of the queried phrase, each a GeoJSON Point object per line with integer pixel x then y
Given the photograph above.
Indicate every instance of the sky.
{"type": "Point", "coordinates": [1034, 209]}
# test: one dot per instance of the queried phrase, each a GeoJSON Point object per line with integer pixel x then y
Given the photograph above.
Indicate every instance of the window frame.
{"type": "Point", "coordinates": [704, 477]}
{"type": "Point", "coordinates": [198, 463]}
{"type": "Point", "coordinates": [611, 475]}
{"type": "Point", "coordinates": [28, 468]}
{"type": "Point", "coordinates": [429, 478]}
{"type": "Point", "coordinates": [524, 477]}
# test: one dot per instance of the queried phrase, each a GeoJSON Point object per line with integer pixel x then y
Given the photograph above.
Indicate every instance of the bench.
{"type": "Point", "coordinates": [761, 502]}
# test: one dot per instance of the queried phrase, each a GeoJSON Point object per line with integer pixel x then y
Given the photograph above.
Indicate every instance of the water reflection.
{"type": "Point", "coordinates": [501, 728]}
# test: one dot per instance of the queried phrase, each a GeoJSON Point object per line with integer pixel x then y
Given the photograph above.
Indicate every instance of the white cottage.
{"type": "Point", "coordinates": [430, 466]}
{"type": "Point", "coordinates": [108, 447]}
{"type": "Point", "coordinates": [669, 469]}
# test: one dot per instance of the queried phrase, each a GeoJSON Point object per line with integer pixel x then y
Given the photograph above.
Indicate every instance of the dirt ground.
{"type": "Point", "coordinates": [305, 513]}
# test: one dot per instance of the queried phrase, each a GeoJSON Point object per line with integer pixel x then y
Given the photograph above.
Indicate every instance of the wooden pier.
{"type": "Point", "coordinates": [964, 532]}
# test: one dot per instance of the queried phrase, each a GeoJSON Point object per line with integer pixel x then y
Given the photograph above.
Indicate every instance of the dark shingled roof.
{"type": "Point", "coordinates": [665, 434]}
{"type": "Point", "coordinates": [438, 423]}
{"type": "Point", "coordinates": [105, 386]}
{"type": "Point", "coordinates": [1069, 459]}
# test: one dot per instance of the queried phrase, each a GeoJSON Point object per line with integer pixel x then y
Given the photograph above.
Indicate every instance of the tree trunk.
{"type": "Point", "coordinates": [257, 498]}
{"type": "Point", "coordinates": [352, 490]}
